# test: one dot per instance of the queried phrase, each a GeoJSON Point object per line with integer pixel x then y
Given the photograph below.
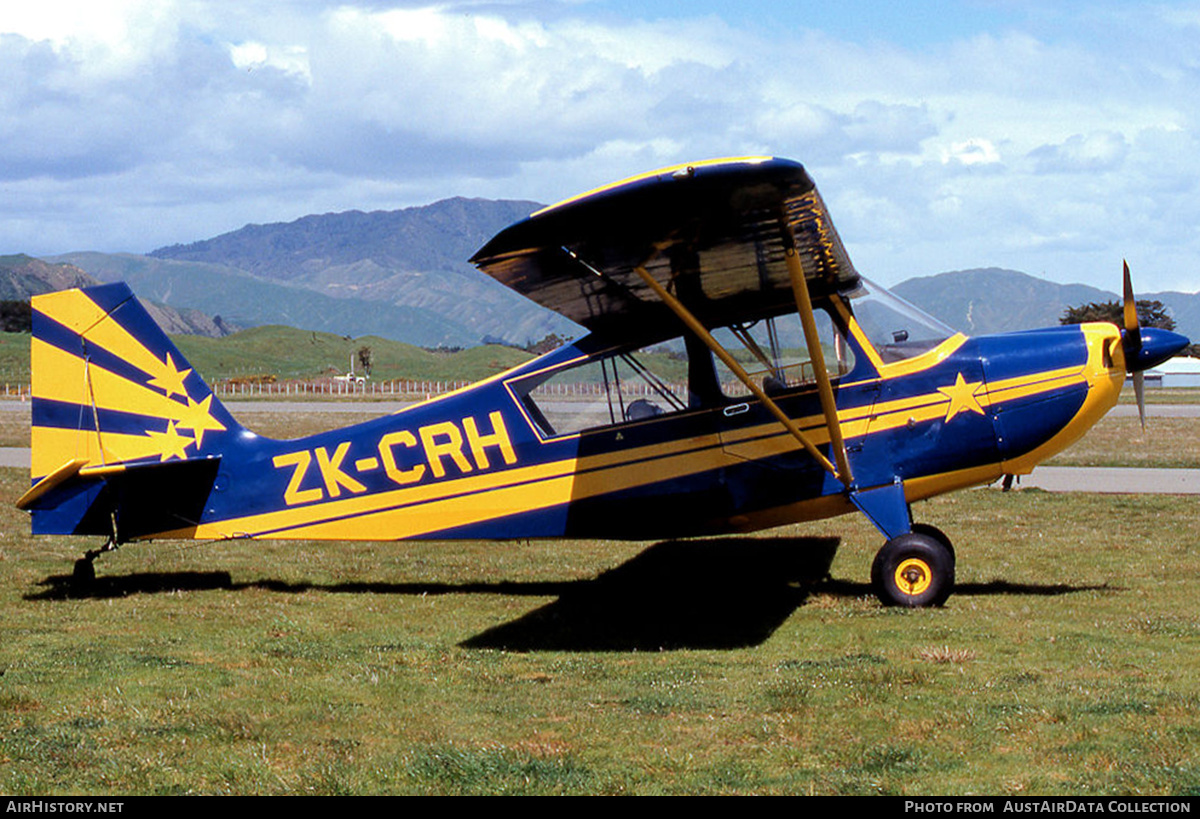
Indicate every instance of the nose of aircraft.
{"type": "Point", "coordinates": [1157, 345]}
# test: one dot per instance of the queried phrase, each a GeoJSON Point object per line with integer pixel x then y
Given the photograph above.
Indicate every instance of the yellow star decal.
{"type": "Point", "coordinates": [170, 379]}
{"type": "Point", "coordinates": [962, 397]}
{"type": "Point", "coordinates": [170, 443]}
{"type": "Point", "coordinates": [198, 418]}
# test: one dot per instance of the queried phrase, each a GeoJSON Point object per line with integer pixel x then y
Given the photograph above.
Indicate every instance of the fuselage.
{"type": "Point", "coordinates": [480, 463]}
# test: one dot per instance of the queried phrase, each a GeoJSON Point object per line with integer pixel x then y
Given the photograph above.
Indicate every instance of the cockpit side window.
{"type": "Point", "coordinates": [634, 385]}
{"type": "Point", "coordinates": [774, 353]}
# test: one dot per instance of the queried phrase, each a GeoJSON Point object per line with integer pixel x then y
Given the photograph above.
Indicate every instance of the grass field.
{"type": "Point", "coordinates": [288, 353]}
{"type": "Point", "coordinates": [1065, 663]}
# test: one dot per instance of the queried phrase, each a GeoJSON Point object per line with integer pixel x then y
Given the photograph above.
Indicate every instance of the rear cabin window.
{"type": "Point", "coordinates": [623, 387]}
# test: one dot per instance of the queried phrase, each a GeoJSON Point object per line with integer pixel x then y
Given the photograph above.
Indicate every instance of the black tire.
{"type": "Point", "coordinates": [914, 571]}
{"type": "Point", "coordinates": [935, 533]}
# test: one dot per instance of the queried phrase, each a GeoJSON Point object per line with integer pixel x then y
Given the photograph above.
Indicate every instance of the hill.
{"type": "Point", "coordinates": [249, 301]}
{"type": "Point", "coordinates": [22, 277]}
{"type": "Point", "coordinates": [992, 300]}
{"type": "Point", "coordinates": [413, 259]}
{"type": "Point", "coordinates": [288, 353]}
{"type": "Point", "coordinates": [403, 275]}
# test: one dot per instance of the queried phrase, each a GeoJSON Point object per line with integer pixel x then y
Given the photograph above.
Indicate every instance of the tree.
{"type": "Point", "coordinates": [366, 357]}
{"type": "Point", "coordinates": [16, 317]}
{"type": "Point", "coordinates": [1149, 313]}
{"type": "Point", "coordinates": [550, 342]}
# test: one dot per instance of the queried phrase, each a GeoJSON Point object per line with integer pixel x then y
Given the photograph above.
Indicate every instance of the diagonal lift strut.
{"type": "Point", "coordinates": [825, 389]}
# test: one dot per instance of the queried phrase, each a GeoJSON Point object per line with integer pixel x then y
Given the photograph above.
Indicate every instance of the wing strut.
{"type": "Point", "coordinates": [817, 356]}
{"type": "Point", "coordinates": [720, 352]}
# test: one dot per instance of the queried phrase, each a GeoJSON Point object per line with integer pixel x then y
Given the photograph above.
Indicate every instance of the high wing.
{"type": "Point", "coordinates": [707, 244]}
{"type": "Point", "coordinates": [713, 233]}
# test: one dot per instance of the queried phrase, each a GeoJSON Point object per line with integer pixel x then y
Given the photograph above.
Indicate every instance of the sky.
{"type": "Point", "coordinates": [1055, 139]}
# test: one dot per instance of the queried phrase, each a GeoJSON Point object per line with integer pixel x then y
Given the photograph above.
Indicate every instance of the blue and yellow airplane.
{"type": "Point", "coordinates": [738, 374]}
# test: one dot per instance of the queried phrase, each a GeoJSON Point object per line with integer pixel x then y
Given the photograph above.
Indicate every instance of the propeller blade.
{"type": "Point", "coordinates": [1139, 391]}
{"type": "Point", "coordinates": [1133, 343]}
{"type": "Point", "coordinates": [1133, 332]}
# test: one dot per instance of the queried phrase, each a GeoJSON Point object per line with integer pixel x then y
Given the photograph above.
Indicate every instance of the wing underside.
{"type": "Point", "coordinates": [714, 233]}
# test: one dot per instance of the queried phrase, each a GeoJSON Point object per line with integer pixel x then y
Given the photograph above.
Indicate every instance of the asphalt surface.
{"type": "Point", "coordinates": [1113, 480]}
{"type": "Point", "coordinates": [1049, 478]}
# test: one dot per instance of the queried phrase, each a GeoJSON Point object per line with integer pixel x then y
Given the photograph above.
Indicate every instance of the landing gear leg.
{"type": "Point", "coordinates": [84, 574]}
{"type": "Point", "coordinates": [915, 570]}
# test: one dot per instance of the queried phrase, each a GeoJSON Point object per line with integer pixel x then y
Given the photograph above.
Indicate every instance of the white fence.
{"type": "Point", "coordinates": [329, 387]}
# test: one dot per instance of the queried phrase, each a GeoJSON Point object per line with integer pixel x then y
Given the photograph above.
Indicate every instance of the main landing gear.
{"type": "Point", "coordinates": [915, 569]}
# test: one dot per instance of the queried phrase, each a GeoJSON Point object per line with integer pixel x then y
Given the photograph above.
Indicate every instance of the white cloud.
{"type": "Point", "coordinates": [129, 124]}
{"type": "Point", "coordinates": [1090, 153]}
{"type": "Point", "coordinates": [975, 151]}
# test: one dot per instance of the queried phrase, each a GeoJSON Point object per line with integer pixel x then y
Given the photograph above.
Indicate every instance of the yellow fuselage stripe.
{"type": "Point", "coordinates": [414, 511]}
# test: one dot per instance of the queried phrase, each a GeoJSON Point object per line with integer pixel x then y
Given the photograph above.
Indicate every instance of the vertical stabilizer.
{"type": "Point", "coordinates": [110, 388]}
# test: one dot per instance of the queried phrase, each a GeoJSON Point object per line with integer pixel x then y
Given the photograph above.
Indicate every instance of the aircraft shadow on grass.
{"type": "Point", "coordinates": [717, 594]}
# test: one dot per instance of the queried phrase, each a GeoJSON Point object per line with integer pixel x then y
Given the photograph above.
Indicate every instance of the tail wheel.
{"type": "Point", "coordinates": [914, 570]}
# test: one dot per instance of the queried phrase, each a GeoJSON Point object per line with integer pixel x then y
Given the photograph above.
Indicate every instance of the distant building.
{"type": "Point", "coordinates": [1177, 372]}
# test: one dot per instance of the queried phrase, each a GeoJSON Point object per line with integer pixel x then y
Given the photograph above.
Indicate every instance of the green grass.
{"type": "Point", "coordinates": [14, 358]}
{"type": "Point", "coordinates": [1065, 663]}
{"type": "Point", "coordinates": [1168, 443]}
{"type": "Point", "coordinates": [288, 353]}
{"type": "Point", "coordinates": [1172, 395]}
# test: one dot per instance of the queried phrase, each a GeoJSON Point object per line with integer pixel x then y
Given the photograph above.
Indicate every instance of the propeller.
{"type": "Point", "coordinates": [1133, 345]}
{"type": "Point", "coordinates": [1144, 347]}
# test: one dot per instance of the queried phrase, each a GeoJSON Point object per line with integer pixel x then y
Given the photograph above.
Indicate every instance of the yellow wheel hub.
{"type": "Point", "coordinates": [913, 576]}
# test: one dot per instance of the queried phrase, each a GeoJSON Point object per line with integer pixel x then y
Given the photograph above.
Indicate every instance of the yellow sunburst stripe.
{"type": "Point", "coordinates": [53, 446]}
{"type": "Point", "coordinates": [66, 377]}
{"type": "Point", "coordinates": [77, 312]}
{"type": "Point", "coordinates": [70, 308]}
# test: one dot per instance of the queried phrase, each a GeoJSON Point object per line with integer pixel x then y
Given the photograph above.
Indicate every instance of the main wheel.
{"type": "Point", "coordinates": [914, 570]}
{"type": "Point", "coordinates": [935, 533]}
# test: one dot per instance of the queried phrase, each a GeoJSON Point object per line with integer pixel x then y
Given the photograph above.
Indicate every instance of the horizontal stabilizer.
{"type": "Point", "coordinates": [126, 502]}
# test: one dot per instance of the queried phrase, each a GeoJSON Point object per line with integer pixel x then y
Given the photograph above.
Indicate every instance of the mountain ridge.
{"type": "Point", "coordinates": [414, 258]}
{"type": "Point", "coordinates": [982, 301]}
{"type": "Point", "coordinates": [23, 276]}
{"type": "Point", "coordinates": [404, 275]}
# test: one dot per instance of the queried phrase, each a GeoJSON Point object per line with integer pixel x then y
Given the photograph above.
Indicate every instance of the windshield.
{"type": "Point", "coordinates": [896, 329]}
